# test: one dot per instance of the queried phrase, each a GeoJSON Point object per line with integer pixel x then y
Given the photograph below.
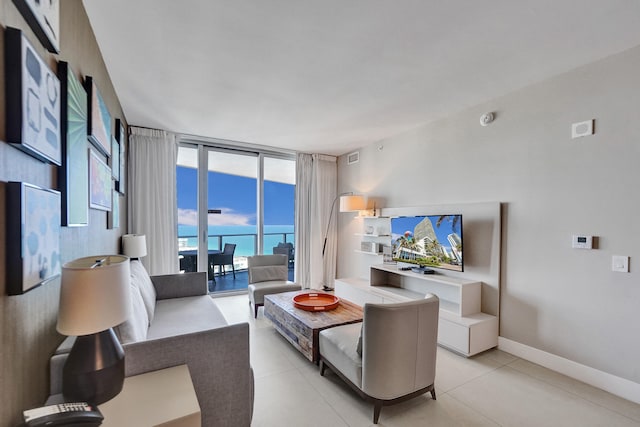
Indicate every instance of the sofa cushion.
{"type": "Point", "coordinates": [338, 346]}
{"type": "Point", "coordinates": [135, 327]}
{"type": "Point", "coordinates": [178, 316]}
{"type": "Point", "coordinates": [140, 278]}
{"type": "Point", "coordinates": [268, 272]}
{"type": "Point", "coordinates": [359, 346]}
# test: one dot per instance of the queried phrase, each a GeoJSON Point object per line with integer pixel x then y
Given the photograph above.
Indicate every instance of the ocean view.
{"type": "Point", "coordinates": [244, 236]}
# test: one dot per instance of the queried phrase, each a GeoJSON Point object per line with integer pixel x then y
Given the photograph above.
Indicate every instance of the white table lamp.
{"type": "Point", "coordinates": [134, 245]}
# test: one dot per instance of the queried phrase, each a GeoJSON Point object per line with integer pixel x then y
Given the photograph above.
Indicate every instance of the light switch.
{"type": "Point", "coordinates": [620, 263]}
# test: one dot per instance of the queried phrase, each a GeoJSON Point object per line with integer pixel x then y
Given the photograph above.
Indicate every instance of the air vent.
{"type": "Point", "coordinates": [353, 158]}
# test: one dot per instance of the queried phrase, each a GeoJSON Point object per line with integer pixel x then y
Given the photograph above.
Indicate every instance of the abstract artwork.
{"type": "Point", "coordinates": [121, 136]}
{"type": "Point", "coordinates": [32, 100]}
{"type": "Point", "coordinates": [115, 159]}
{"type": "Point", "coordinates": [99, 126]}
{"type": "Point", "coordinates": [113, 217]}
{"type": "Point", "coordinates": [33, 236]}
{"type": "Point", "coordinates": [99, 183]}
{"type": "Point", "coordinates": [44, 19]}
{"type": "Point", "coordinates": [74, 175]}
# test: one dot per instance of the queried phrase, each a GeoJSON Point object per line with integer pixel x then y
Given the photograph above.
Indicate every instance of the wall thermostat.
{"type": "Point", "coordinates": [582, 242]}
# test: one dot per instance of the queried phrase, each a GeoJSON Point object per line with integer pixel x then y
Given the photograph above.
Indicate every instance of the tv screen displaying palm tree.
{"type": "Point", "coordinates": [428, 241]}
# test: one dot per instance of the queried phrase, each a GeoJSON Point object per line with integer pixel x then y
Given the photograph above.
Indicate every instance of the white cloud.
{"type": "Point", "coordinates": [227, 217]}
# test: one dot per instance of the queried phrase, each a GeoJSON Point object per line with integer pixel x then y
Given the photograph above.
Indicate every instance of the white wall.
{"type": "Point", "coordinates": [563, 301]}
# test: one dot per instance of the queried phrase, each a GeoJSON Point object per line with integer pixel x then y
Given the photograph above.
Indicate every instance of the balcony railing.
{"type": "Point", "coordinates": [188, 256]}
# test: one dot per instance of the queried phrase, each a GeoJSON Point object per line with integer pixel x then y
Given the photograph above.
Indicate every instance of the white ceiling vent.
{"type": "Point", "coordinates": [353, 157]}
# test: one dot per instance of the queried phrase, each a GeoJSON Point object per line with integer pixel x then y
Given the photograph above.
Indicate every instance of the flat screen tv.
{"type": "Point", "coordinates": [431, 241]}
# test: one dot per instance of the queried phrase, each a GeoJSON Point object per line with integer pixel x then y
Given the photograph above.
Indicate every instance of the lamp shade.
{"type": "Point", "coordinates": [352, 203]}
{"type": "Point", "coordinates": [134, 245]}
{"type": "Point", "coordinates": [94, 294]}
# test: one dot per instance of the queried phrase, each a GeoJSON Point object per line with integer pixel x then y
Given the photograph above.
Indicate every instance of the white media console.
{"type": "Point", "coordinates": [462, 327]}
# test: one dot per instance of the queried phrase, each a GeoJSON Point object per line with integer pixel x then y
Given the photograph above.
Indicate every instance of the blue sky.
{"type": "Point", "coordinates": [236, 196]}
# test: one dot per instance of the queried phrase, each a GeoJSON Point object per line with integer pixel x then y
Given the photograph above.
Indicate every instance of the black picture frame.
{"type": "Point", "coordinates": [99, 119]}
{"type": "Point", "coordinates": [121, 136]}
{"type": "Point", "coordinates": [44, 19]}
{"type": "Point", "coordinates": [32, 100]}
{"type": "Point", "coordinates": [73, 177]}
{"type": "Point", "coordinates": [33, 236]}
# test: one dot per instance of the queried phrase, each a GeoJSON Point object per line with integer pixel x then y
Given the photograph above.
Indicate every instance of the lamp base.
{"type": "Point", "coordinates": [94, 370]}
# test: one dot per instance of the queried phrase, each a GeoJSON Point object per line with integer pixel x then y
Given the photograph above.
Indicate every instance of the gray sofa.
{"type": "Point", "coordinates": [185, 327]}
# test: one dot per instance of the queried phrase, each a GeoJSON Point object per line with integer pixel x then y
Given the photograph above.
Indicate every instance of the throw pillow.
{"type": "Point", "coordinates": [135, 327]}
{"type": "Point", "coordinates": [359, 347]}
{"type": "Point", "coordinates": [140, 279]}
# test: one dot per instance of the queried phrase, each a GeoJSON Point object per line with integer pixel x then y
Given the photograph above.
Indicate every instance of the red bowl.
{"type": "Point", "coordinates": [315, 301]}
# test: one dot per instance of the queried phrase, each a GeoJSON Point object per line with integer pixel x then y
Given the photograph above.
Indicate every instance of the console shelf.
{"type": "Point", "coordinates": [462, 327]}
{"type": "Point", "coordinates": [457, 296]}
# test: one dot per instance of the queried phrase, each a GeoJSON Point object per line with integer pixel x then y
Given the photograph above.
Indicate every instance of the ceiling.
{"type": "Point", "coordinates": [329, 76]}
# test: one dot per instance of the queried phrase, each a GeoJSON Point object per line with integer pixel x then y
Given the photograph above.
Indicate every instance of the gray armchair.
{"type": "Point", "coordinates": [391, 357]}
{"type": "Point", "coordinates": [268, 274]}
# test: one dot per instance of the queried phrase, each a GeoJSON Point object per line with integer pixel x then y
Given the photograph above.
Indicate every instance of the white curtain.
{"type": "Point", "coordinates": [316, 183]}
{"type": "Point", "coordinates": [152, 205]}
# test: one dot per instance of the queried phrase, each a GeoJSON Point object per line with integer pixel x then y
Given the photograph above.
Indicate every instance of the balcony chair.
{"type": "Point", "coordinates": [223, 258]}
{"type": "Point", "coordinates": [268, 274]}
{"type": "Point", "coordinates": [285, 248]}
{"type": "Point", "coordinates": [391, 356]}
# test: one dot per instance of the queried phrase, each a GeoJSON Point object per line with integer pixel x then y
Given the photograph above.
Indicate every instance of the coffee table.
{"type": "Point", "coordinates": [300, 327]}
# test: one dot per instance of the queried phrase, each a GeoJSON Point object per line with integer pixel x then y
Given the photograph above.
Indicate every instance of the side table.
{"type": "Point", "coordinates": [158, 398]}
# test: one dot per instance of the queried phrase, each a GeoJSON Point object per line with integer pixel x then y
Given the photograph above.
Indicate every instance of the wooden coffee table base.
{"type": "Point", "coordinates": [300, 327]}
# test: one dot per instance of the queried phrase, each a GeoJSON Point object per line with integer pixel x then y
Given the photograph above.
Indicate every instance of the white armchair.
{"type": "Point", "coordinates": [391, 357]}
{"type": "Point", "coordinates": [268, 274]}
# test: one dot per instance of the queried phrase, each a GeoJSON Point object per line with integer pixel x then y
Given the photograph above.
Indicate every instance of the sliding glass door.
{"type": "Point", "coordinates": [279, 185]}
{"type": "Point", "coordinates": [232, 204]}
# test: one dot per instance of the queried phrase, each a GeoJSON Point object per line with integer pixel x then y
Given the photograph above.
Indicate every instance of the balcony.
{"type": "Point", "coordinates": [246, 245]}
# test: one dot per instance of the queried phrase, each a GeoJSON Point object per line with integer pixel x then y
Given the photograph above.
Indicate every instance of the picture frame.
{"type": "Point", "coordinates": [115, 159]}
{"type": "Point", "coordinates": [99, 118]}
{"type": "Point", "coordinates": [33, 236]}
{"type": "Point", "coordinates": [121, 136]}
{"type": "Point", "coordinates": [32, 100]}
{"type": "Point", "coordinates": [44, 19]}
{"type": "Point", "coordinates": [113, 217]}
{"type": "Point", "coordinates": [73, 177]}
{"type": "Point", "coordinates": [99, 183]}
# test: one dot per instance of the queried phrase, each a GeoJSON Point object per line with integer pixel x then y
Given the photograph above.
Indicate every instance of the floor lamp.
{"type": "Point", "coordinates": [349, 202]}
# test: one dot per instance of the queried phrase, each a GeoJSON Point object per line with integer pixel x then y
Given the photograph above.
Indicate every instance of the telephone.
{"type": "Point", "coordinates": [63, 414]}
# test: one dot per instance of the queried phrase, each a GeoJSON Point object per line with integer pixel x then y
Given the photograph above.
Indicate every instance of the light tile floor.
{"type": "Point", "coordinates": [491, 389]}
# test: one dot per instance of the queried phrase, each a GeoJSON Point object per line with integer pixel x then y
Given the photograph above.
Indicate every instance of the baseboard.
{"type": "Point", "coordinates": [615, 385]}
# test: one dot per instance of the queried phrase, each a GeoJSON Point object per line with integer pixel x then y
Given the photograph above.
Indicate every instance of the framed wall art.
{"type": "Point", "coordinates": [32, 100]}
{"type": "Point", "coordinates": [115, 159]}
{"type": "Point", "coordinates": [121, 136]}
{"type": "Point", "coordinates": [99, 183]}
{"type": "Point", "coordinates": [99, 123]}
{"type": "Point", "coordinates": [44, 19]}
{"type": "Point", "coordinates": [74, 174]}
{"type": "Point", "coordinates": [33, 236]}
{"type": "Point", "coordinates": [113, 217]}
